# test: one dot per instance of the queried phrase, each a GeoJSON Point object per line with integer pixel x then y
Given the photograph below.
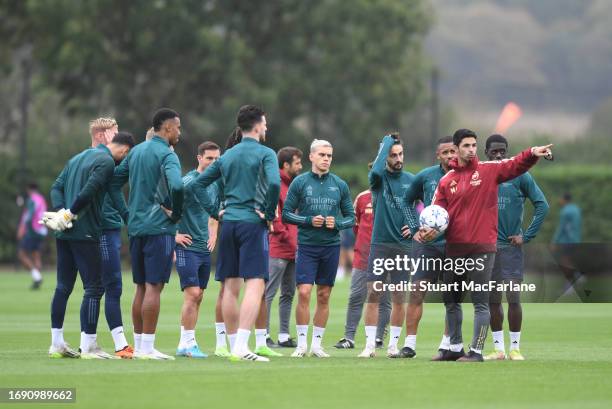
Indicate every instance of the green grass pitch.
{"type": "Point", "coordinates": [568, 349]}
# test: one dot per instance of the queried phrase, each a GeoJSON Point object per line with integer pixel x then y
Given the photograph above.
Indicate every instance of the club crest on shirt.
{"type": "Point", "coordinates": [476, 181]}
{"type": "Point", "coordinates": [308, 190]}
{"type": "Point", "coordinates": [453, 186]}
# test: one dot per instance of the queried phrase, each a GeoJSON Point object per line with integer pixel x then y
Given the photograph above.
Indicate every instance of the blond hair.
{"type": "Point", "coordinates": [319, 143]}
{"type": "Point", "coordinates": [101, 124]}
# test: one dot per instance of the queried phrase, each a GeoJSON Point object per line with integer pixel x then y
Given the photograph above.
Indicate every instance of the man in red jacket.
{"type": "Point", "coordinates": [283, 245]}
{"type": "Point", "coordinates": [468, 192]}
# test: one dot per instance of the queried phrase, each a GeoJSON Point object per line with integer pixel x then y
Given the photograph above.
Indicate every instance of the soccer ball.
{"type": "Point", "coordinates": [435, 217]}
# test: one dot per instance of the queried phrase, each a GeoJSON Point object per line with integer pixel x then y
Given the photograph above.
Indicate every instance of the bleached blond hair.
{"type": "Point", "coordinates": [319, 143]}
{"type": "Point", "coordinates": [101, 124]}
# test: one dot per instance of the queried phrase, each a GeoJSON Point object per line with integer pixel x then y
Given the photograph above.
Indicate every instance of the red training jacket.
{"type": "Point", "coordinates": [283, 241]}
{"type": "Point", "coordinates": [469, 195]}
{"type": "Point", "coordinates": [364, 219]}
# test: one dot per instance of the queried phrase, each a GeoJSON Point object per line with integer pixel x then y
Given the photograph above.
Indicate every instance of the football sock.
{"type": "Point", "coordinates": [187, 338]}
{"type": "Point", "coordinates": [87, 341]}
{"type": "Point", "coordinates": [456, 347]}
{"type": "Point", "coordinates": [232, 340]}
{"type": "Point", "coordinates": [317, 337]}
{"type": "Point", "coordinates": [242, 341]}
{"type": "Point", "coordinates": [515, 340]}
{"type": "Point", "coordinates": [57, 337]}
{"type": "Point", "coordinates": [220, 330]}
{"type": "Point", "coordinates": [445, 343]}
{"type": "Point", "coordinates": [36, 276]}
{"type": "Point", "coordinates": [410, 342]}
{"type": "Point", "coordinates": [260, 337]}
{"type": "Point", "coordinates": [283, 337]}
{"type": "Point", "coordinates": [394, 335]}
{"type": "Point", "coordinates": [119, 338]}
{"type": "Point", "coordinates": [302, 336]}
{"type": "Point", "coordinates": [147, 343]}
{"type": "Point", "coordinates": [498, 340]}
{"type": "Point", "coordinates": [370, 331]}
{"type": "Point", "coordinates": [137, 342]}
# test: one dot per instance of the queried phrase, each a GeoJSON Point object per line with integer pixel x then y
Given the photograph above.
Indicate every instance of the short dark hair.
{"type": "Point", "coordinates": [461, 134]}
{"type": "Point", "coordinates": [286, 154]}
{"type": "Point", "coordinates": [495, 138]}
{"type": "Point", "coordinates": [124, 138]}
{"type": "Point", "coordinates": [161, 116]}
{"type": "Point", "coordinates": [33, 186]}
{"type": "Point", "coordinates": [567, 196]}
{"type": "Point", "coordinates": [248, 116]}
{"type": "Point", "coordinates": [396, 136]}
{"type": "Point", "coordinates": [445, 139]}
{"type": "Point", "coordinates": [207, 146]}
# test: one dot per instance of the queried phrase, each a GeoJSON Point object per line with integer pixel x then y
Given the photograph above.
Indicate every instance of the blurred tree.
{"type": "Point", "coordinates": [346, 71]}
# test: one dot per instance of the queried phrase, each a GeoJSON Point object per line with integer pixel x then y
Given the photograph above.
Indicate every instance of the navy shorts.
{"type": "Point", "coordinates": [388, 273]}
{"type": "Point", "coordinates": [110, 250]}
{"type": "Point", "coordinates": [152, 258]}
{"type": "Point", "coordinates": [31, 243]}
{"type": "Point", "coordinates": [430, 259]}
{"type": "Point", "coordinates": [508, 264]}
{"type": "Point", "coordinates": [316, 264]}
{"type": "Point", "coordinates": [193, 267]}
{"type": "Point", "coordinates": [243, 251]}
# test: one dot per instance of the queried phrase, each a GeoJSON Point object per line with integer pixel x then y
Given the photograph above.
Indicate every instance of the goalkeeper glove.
{"type": "Point", "coordinates": [65, 218]}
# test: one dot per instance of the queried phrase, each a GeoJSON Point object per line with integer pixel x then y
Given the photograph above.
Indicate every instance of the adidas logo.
{"type": "Point", "coordinates": [302, 335]}
{"type": "Point", "coordinates": [222, 333]}
{"type": "Point", "coordinates": [514, 342]}
{"type": "Point", "coordinates": [496, 342]}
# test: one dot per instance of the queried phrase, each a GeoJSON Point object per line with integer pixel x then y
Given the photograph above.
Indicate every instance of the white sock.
{"type": "Point", "coordinates": [57, 337]}
{"type": "Point", "coordinates": [394, 334]}
{"type": "Point", "coordinates": [498, 340]}
{"type": "Point", "coordinates": [242, 341]}
{"type": "Point", "coordinates": [445, 343]}
{"type": "Point", "coordinates": [260, 337]}
{"type": "Point", "coordinates": [137, 342]}
{"type": "Point", "coordinates": [147, 343]}
{"type": "Point", "coordinates": [87, 341]}
{"type": "Point", "coordinates": [515, 340]}
{"type": "Point", "coordinates": [302, 336]}
{"type": "Point", "coordinates": [340, 273]}
{"type": "Point", "coordinates": [220, 330]}
{"type": "Point", "coordinates": [478, 351]}
{"type": "Point", "coordinates": [36, 276]}
{"type": "Point", "coordinates": [187, 338]}
{"type": "Point", "coordinates": [370, 331]}
{"type": "Point", "coordinates": [119, 338]}
{"type": "Point", "coordinates": [283, 337]}
{"type": "Point", "coordinates": [455, 347]}
{"type": "Point", "coordinates": [232, 340]}
{"type": "Point", "coordinates": [317, 337]}
{"type": "Point", "coordinates": [410, 342]}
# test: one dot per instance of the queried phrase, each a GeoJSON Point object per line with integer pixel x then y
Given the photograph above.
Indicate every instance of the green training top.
{"type": "Point", "coordinates": [391, 212]}
{"type": "Point", "coordinates": [84, 179]}
{"type": "Point", "coordinates": [250, 179]}
{"type": "Point", "coordinates": [154, 174]}
{"type": "Point", "coordinates": [511, 197]}
{"type": "Point", "coordinates": [311, 195]}
{"type": "Point", "coordinates": [195, 218]}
